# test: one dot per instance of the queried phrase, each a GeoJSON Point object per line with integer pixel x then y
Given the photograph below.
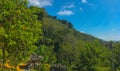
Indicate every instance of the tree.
{"type": "Point", "coordinates": [66, 23]}
{"type": "Point", "coordinates": [94, 57]}
{"type": "Point", "coordinates": [117, 56]}
{"type": "Point", "coordinates": [19, 31]}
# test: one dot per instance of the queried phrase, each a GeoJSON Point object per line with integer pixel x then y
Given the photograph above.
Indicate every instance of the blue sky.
{"type": "Point", "coordinates": [100, 18]}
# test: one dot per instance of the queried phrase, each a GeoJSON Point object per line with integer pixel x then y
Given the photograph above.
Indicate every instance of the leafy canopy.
{"type": "Point", "coordinates": [19, 31]}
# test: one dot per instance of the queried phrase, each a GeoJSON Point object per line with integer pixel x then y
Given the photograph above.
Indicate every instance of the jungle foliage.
{"type": "Point", "coordinates": [25, 30]}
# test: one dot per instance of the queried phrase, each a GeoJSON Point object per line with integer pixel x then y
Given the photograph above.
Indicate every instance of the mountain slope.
{"type": "Point", "coordinates": [62, 44]}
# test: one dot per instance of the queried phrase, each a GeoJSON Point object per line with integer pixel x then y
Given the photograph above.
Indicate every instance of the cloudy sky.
{"type": "Point", "coordinates": [100, 18]}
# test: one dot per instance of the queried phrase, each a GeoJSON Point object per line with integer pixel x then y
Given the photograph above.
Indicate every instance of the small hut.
{"type": "Point", "coordinates": [34, 60]}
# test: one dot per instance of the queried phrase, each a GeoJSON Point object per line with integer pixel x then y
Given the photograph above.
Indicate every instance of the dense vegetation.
{"type": "Point", "coordinates": [25, 30]}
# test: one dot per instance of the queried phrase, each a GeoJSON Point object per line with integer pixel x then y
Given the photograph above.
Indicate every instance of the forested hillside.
{"type": "Point", "coordinates": [26, 30]}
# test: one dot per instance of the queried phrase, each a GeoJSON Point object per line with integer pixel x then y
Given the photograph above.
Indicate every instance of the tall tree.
{"type": "Point", "coordinates": [19, 31]}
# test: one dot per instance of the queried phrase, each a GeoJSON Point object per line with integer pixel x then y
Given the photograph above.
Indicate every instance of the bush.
{"type": "Point", "coordinates": [45, 67]}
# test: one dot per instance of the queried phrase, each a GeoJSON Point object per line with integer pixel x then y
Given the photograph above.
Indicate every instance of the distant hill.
{"type": "Point", "coordinates": [63, 44]}
{"type": "Point", "coordinates": [55, 25]}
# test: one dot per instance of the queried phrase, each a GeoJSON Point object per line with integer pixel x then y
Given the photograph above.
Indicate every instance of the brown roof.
{"type": "Point", "coordinates": [35, 58]}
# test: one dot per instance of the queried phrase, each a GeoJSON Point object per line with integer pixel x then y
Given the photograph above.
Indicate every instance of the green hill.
{"type": "Point", "coordinates": [77, 51]}
{"type": "Point", "coordinates": [26, 30]}
{"type": "Point", "coordinates": [62, 44]}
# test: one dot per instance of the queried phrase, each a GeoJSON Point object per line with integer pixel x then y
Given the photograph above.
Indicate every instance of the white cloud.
{"type": "Point", "coordinates": [84, 1]}
{"type": "Point", "coordinates": [40, 3]}
{"type": "Point", "coordinates": [65, 12]}
{"type": "Point", "coordinates": [70, 5]}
